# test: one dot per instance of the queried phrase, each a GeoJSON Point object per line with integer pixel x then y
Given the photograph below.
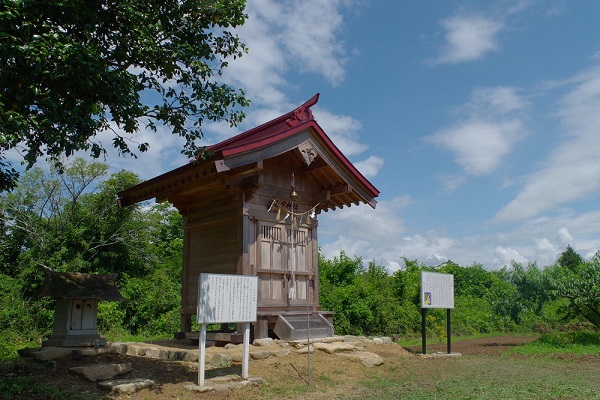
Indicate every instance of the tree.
{"type": "Point", "coordinates": [579, 283]}
{"type": "Point", "coordinates": [570, 259]}
{"type": "Point", "coordinates": [62, 223]}
{"type": "Point", "coordinates": [71, 222]}
{"type": "Point", "coordinates": [73, 69]}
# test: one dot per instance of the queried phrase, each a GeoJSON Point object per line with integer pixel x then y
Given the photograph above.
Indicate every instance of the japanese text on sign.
{"type": "Point", "coordinates": [227, 298]}
{"type": "Point", "coordinates": [437, 290]}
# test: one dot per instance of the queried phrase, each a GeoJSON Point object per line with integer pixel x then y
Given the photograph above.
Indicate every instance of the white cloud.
{"type": "Point", "coordinates": [505, 255]}
{"type": "Point", "coordinates": [556, 11]}
{"type": "Point", "coordinates": [543, 245]}
{"type": "Point", "coordinates": [260, 72]}
{"type": "Point", "coordinates": [297, 35]}
{"type": "Point", "coordinates": [369, 167]}
{"type": "Point", "coordinates": [452, 183]}
{"type": "Point", "coordinates": [342, 130]}
{"type": "Point", "coordinates": [572, 170]}
{"type": "Point", "coordinates": [381, 235]}
{"type": "Point", "coordinates": [495, 102]}
{"type": "Point", "coordinates": [489, 132]}
{"type": "Point", "coordinates": [479, 146]}
{"type": "Point", "coordinates": [163, 154]}
{"type": "Point", "coordinates": [468, 38]}
{"type": "Point", "coordinates": [565, 236]}
{"type": "Point", "coordinates": [311, 33]}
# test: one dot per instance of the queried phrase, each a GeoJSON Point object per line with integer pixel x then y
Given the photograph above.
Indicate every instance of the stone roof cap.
{"type": "Point", "coordinates": [66, 285]}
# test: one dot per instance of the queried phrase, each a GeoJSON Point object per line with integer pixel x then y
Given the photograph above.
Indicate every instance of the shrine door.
{"type": "Point", "coordinates": [285, 265]}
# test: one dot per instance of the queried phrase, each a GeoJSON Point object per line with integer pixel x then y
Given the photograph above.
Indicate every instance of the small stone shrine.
{"type": "Point", "coordinates": [77, 296]}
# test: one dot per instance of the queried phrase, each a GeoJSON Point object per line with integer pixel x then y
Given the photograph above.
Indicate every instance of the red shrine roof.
{"type": "Point", "coordinates": [282, 134]}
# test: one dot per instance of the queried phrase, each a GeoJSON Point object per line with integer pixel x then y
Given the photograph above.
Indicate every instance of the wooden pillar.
{"type": "Point", "coordinates": [186, 322]}
{"type": "Point", "coordinates": [261, 328]}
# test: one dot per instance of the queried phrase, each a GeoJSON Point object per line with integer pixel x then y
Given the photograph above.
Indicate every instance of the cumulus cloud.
{"type": "Point", "coordinates": [491, 127]}
{"type": "Point", "coordinates": [296, 35]}
{"type": "Point", "coordinates": [505, 255]}
{"type": "Point", "coordinates": [369, 167]}
{"type": "Point", "coordinates": [452, 183]}
{"type": "Point", "coordinates": [479, 146]}
{"type": "Point", "coordinates": [380, 235]}
{"type": "Point", "coordinates": [310, 32]}
{"type": "Point", "coordinates": [366, 232]}
{"type": "Point", "coordinates": [468, 38]}
{"type": "Point", "coordinates": [343, 130]}
{"type": "Point", "coordinates": [495, 102]}
{"type": "Point", "coordinates": [571, 172]}
{"type": "Point", "coordinates": [565, 236]}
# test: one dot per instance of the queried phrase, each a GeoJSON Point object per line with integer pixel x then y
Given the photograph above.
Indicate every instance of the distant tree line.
{"type": "Point", "coordinates": [69, 221]}
{"type": "Point", "coordinates": [369, 300]}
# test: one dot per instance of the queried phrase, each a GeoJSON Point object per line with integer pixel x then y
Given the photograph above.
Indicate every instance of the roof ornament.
{"type": "Point", "coordinates": [300, 115]}
{"type": "Point", "coordinates": [308, 151]}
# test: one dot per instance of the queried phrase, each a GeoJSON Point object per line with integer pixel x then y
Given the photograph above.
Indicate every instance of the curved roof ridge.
{"type": "Point", "coordinates": [293, 118]}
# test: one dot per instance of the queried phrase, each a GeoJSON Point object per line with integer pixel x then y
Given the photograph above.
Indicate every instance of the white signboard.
{"type": "Point", "coordinates": [437, 290]}
{"type": "Point", "coordinates": [227, 298]}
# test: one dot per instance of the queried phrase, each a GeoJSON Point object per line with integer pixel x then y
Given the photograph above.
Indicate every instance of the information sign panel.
{"type": "Point", "coordinates": [227, 298]}
{"type": "Point", "coordinates": [437, 290]}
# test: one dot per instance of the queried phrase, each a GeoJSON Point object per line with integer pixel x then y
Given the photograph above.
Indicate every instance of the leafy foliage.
{"type": "Point", "coordinates": [370, 300]}
{"type": "Point", "coordinates": [71, 222]}
{"type": "Point", "coordinates": [73, 69]}
{"type": "Point", "coordinates": [570, 259]}
{"type": "Point", "coordinates": [580, 284]}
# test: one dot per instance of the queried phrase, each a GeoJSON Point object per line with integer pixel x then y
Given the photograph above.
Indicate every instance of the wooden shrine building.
{"type": "Point", "coordinates": [251, 208]}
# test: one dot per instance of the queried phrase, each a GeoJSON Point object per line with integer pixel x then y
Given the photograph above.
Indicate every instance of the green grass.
{"type": "Point", "coordinates": [485, 378]}
{"type": "Point", "coordinates": [532, 371]}
{"type": "Point", "coordinates": [578, 343]}
{"type": "Point", "coordinates": [524, 372]}
{"type": "Point", "coordinates": [432, 339]}
{"type": "Point", "coordinates": [117, 336]}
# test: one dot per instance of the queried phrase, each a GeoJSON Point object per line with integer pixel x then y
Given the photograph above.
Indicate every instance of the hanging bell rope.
{"type": "Point", "coordinates": [297, 217]}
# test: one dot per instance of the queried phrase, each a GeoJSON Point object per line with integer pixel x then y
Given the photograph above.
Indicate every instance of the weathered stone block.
{"type": "Point", "coordinates": [221, 360]}
{"type": "Point", "coordinates": [366, 358]}
{"type": "Point", "coordinates": [334, 347]}
{"type": "Point", "coordinates": [100, 372]}
{"type": "Point", "coordinates": [50, 353]}
{"type": "Point", "coordinates": [266, 342]}
{"type": "Point", "coordinates": [260, 355]}
{"type": "Point", "coordinates": [126, 385]}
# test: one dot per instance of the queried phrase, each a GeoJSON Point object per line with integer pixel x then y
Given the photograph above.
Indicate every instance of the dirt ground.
{"type": "Point", "coordinates": [171, 377]}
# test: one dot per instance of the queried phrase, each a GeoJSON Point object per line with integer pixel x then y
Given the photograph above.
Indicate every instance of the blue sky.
{"type": "Point", "coordinates": [477, 121]}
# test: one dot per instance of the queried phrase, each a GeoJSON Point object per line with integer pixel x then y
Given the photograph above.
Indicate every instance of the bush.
{"type": "Point", "coordinates": [23, 322]}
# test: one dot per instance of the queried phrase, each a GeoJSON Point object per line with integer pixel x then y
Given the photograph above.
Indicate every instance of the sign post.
{"type": "Point", "coordinates": [437, 291]}
{"type": "Point", "coordinates": [226, 299]}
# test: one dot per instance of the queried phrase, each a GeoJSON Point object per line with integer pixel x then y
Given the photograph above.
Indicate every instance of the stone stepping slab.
{"type": "Point", "coordinates": [101, 372]}
{"type": "Point", "coordinates": [126, 386]}
{"type": "Point", "coordinates": [366, 358]}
